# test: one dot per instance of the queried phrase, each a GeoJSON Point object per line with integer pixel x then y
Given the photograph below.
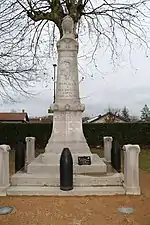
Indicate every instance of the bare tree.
{"type": "Point", "coordinates": [29, 30]}
{"type": "Point", "coordinates": [112, 114]}
{"type": "Point", "coordinates": [14, 81]}
{"type": "Point", "coordinates": [125, 114]}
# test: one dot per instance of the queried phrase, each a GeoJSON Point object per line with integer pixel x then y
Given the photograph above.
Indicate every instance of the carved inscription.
{"type": "Point", "coordinates": [67, 90]}
{"type": "Point", "coordinates": [65, 70]}
{"type": "Point", "coordinates": [67, 81]}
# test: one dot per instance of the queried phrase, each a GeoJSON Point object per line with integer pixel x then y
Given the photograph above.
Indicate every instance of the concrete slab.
{"type": "Point", "coordinates": [3, 193]}
{"type": "Point", "coordinates": [54, 169]}
{"type": "Point", "coordinates": [3, 190]}
{"type": "Point", "coordinates": [23, 179]}
{"type": "Point", "coordinates": [55, 191]}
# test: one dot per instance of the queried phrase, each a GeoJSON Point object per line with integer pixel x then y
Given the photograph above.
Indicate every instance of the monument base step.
{"type": "Point", "coordinates": [53, 158]}
{"type": "Point", "coordinates": [24, 179]}
{"type": "Point", "coordinates": [3, 190]}
{"type": "Point", "coordinates": [54, 169]}
{"type": "Point", "coordinates": [55, 191]}
{"type": "Point", "coordinates": [50, 165]}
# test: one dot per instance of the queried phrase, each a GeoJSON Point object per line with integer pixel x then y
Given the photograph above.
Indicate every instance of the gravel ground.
{"type": "Point", "coordinates": [79, 210]}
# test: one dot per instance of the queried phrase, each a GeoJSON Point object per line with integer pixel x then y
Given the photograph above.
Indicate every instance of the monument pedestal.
{"type": "Point", "coordinates": [75, 147]}
{"type": "Point", "coordinates": [67, 130]}
{"type": "Point", "coordinates": [49, 164]}
{"type": "Point", "coordinates": [67, 134]}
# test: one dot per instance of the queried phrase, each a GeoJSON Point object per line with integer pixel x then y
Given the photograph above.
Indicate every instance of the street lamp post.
{"type": "Point", "coordinates": [54, 79]}
{"type": "Point", "coordinates": [81, 80]}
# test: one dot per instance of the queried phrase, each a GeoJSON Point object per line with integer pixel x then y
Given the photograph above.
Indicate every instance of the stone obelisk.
{"type": "Point", "coordinates": [67, 120]}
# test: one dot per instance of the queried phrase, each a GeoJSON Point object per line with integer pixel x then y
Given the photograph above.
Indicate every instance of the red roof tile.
{"type": "Point", "coordinates": [41, 120]}
{"type": "Point", "coordinates": [14, 117]}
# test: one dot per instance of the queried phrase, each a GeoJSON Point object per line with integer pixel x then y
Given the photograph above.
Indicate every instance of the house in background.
{"type": "Point", "coordinates": [14, 117]}
{"type": "Point", "coordinates": [44, 119]}
{"type": "Point", "coordinates": [107, 118]}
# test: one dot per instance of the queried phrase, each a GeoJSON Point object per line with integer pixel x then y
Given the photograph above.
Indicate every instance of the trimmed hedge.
{"type": "Point", "coordinates": [125, 133]}
{"type": "Point", "coordinates": [11, 133]}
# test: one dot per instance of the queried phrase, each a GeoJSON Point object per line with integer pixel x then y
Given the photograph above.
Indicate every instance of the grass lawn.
{"type": "Point", "coordinates": [144, 159]}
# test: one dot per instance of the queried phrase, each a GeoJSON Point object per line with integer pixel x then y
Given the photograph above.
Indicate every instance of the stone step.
{"type": "Point", "coordinates": [23, 179]}
{"type": "Point", "coordinates": [36, 167]}
{"type": "Point", "coordinates": [55, 191]}
{"type": "Point", "coordinates": [52, 158]}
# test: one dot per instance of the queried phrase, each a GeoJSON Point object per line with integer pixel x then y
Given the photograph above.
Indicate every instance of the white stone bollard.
{"type": "Point", "coordinates": [107, 148]}
{"type": "Point", "coordinates": [131, 169]}
{"type": "Point", "coordinates": [4, 169]}
{"type": "Point", "coordinates": [30, 150]}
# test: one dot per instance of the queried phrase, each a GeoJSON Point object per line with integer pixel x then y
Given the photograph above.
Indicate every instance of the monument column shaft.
{"type": "Point", "coordinates": [67, 74]}
{"type": "Point", "coordinates": [67, 120]}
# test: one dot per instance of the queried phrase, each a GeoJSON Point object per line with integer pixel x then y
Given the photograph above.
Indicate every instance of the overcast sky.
{"type": "Point", "coordinates": [128, 85]}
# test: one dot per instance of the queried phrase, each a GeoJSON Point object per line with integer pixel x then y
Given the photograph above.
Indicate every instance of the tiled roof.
{"type": "Point", "coordinates": [14, 117]}
{"type": "Point", "coordinates": [41, 120]}
{"type": "Point", "coordinates": [106, 114]}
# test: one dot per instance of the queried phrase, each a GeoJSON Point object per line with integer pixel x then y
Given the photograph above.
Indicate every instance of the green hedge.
{"type": "Point", "coordinates": [11, 133]}
{"type": "Point", "coordinates": [125, 133]}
